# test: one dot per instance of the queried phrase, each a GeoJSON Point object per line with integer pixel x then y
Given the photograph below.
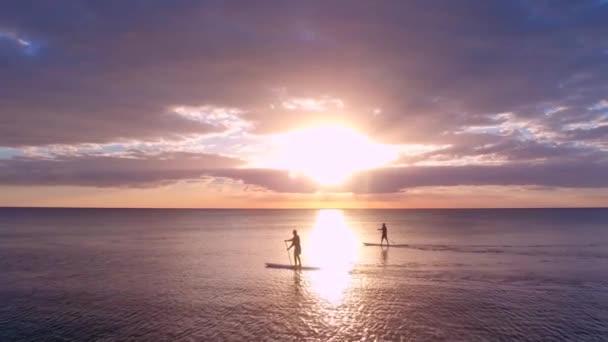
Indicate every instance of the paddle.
{"type": "Point", "coordinates": [288, 255]}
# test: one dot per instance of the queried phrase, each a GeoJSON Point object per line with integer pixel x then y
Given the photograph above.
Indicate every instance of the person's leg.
{"type": "Point", "coordinates": [296, 258]}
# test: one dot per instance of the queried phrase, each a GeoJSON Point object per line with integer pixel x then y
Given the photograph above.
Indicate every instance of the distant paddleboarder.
{"type": "Point", "coordinates": [384, 234]}
{"type": "Point", "coordinates": [295, 242]}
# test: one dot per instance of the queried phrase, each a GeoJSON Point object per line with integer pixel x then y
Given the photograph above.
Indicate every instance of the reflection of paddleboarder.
{"type": "Point", "coordinates": [384, 234]}
{"type": "Point", "coordinates": [295, 242]}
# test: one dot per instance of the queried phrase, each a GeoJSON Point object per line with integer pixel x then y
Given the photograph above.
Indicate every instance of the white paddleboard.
{"type": "Point", "coordinates": [384, 244]}
{"type": "Point", "coordinates": [291, 267]}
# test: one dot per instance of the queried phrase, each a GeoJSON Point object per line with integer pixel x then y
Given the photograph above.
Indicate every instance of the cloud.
{"type": "Point", "coordinates": [392, 180]}
{"type": "Point", "coordinates": [134, 170]}
{"type": "Point", "coordinates": [132, 68]}
{"type": "Point", "coordinates": [118, 126]}
{"type": "Point", "coordinates": [146, 170]}
{"type": "Point", "coordinates": [503, 82]}
{"type": "Point", "coordinates": [323, 104]}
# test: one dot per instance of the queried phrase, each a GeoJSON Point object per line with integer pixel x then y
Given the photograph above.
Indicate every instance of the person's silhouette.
{"type": "Point", "coordinates": [384, 235]}
{"type": "Point", "coordinates": [295, 242]}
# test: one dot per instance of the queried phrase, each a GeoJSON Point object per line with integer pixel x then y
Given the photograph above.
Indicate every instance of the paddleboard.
{"type": "Point", "coordinates": [384, 244]}
{"type": "Point", "coordinates": [291, 267]}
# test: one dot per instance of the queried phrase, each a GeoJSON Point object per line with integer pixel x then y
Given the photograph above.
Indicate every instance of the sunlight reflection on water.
{"type": "Point", "coordinates": [332, 245]}
{"type": "Point", "coordinates": [181, 275]}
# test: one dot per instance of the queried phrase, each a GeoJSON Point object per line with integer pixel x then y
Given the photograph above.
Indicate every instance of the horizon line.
{"type": "Point", "coordinates": [296, 208]}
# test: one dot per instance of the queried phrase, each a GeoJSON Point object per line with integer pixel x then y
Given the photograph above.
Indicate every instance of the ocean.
{"type": "Point", "coordinates": [200, 275]}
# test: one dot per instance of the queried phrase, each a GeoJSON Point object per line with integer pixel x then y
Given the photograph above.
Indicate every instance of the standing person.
{"type": "Point", "coordinates": [295, 242]}
{"type": "Point", "coordinates": [384, 235]}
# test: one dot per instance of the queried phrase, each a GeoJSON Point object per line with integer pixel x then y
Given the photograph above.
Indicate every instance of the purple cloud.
{"type": "Point", "coordinates": [167, 168]}
{"type": "Point", "coordinates": [108, 171]}
{"type": "Point", "coordinates": [486, 78]}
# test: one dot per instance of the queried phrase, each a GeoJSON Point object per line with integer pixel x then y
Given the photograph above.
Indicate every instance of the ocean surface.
{"type": "Point", "coordinates": [200, 275]}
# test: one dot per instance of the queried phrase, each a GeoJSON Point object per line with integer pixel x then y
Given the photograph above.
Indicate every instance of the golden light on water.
{"type": "Point", "coordinates": [333, 246]}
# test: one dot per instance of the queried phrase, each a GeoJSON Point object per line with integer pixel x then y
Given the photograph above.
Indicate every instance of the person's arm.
{"type": "Point", "coordinates": [290, 240]}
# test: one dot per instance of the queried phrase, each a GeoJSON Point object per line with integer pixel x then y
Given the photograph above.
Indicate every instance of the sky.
{"type": "Point", "coordinates": [304, 104]}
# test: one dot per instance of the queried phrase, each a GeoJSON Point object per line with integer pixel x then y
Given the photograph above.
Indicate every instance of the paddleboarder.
{"type": "Point", "coordinates": [384, 234]}
{"type": "Point", "coordinates": [295, 242]}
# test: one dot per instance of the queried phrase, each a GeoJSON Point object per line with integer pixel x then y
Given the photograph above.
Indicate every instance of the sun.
{"type": "Point", "coordinates": [330, 154]}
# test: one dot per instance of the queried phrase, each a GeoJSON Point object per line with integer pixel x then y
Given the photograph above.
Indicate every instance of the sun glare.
{"type": "Point", "coordinates": [330, 154]}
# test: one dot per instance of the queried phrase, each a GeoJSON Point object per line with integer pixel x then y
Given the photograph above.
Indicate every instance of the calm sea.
{"type": "Point", "coordinates": [200, 275]}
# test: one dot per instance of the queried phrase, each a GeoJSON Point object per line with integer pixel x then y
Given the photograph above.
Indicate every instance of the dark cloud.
{"type": "Point", "coordinates": [511, 150]}
{"type": "Point", "coordinates": [390, 180]}
{"type": "Point", "coordinates": [593, 134]}
{"type": "Point", "coordinates": [167, 168]}
{"type": "Point", "coordinates": [134, 170]}
{"type": "Point", "coordinates": [109, 125]}
{"type": "Point", "coordinates": [432, 66]}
